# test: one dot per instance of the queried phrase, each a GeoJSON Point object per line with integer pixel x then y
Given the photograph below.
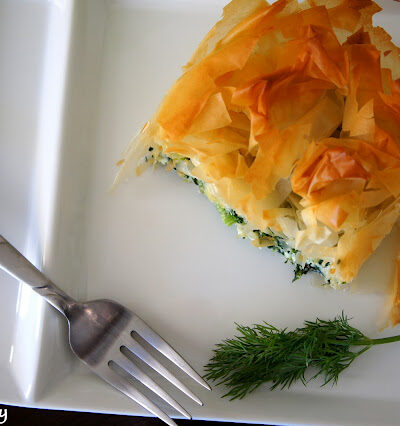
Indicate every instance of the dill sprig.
{"type": "Point", "coordinates": [264, 353]}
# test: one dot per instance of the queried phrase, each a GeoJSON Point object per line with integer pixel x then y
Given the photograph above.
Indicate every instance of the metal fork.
{"type": "Point", "coordinates": [100, 332]}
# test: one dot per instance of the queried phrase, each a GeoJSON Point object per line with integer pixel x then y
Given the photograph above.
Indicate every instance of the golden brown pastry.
{"type": "Point", "coordinates": [287, 117]}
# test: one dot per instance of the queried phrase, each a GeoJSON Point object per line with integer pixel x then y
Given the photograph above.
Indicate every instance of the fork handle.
{"type": "Point", "coordinates": [18, 266]}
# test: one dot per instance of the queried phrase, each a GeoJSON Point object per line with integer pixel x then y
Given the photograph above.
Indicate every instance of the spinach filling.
{"type": "Point", "coordinates": [230, 217]}
{"type": "Point", "coordinates": [279, 245]}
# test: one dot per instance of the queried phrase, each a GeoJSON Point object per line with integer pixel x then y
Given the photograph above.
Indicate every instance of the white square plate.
{"type": "Point", "coordinates": [77, 81]}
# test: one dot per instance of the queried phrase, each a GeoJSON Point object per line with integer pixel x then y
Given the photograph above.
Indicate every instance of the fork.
{"type": "Point", "coordinates": [100, 333]}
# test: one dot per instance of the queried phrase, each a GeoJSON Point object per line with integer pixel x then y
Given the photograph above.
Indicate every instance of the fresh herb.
{"type": "Point", "coordinates": [229, 216]}
{"type": "Point", "coordinates": [264, 353]}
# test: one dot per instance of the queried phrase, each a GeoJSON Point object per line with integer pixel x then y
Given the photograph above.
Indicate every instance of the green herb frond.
{"type": "Point", "coordinates": [264, 353]}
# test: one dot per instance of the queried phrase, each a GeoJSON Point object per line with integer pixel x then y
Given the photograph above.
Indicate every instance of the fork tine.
{"type": "Point", "coordinates": [115, 380]}
{"type": "Point", "coordinates": [136, 372]}
{"type": "Point", "coordinates": [136, 348]}
{"type": "Point", "coordinates": [161, 345]}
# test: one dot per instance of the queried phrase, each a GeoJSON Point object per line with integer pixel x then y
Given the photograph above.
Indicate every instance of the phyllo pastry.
{"type": "Point", "coordinates": [287, 117]}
